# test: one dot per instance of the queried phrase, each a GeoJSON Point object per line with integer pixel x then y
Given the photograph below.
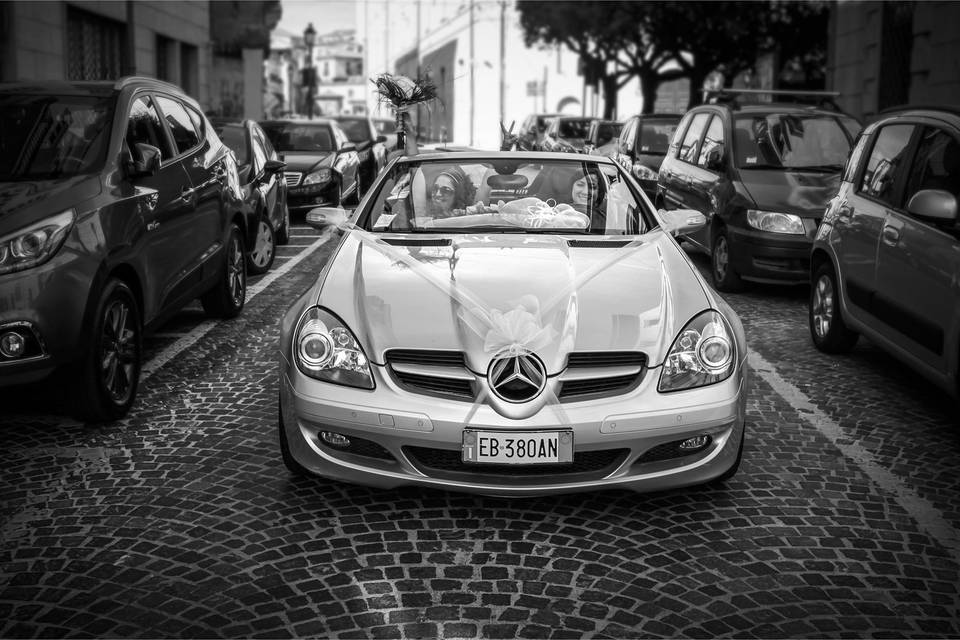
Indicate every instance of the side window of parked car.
{"type": "Point", "coordinates": [259, 155]}
{"type": "Point", "coordinates": [144, 127]}
{"type": "Point", "coordinates": [691, 142]}
{"type": "Point", "coordinates": [853, 162]}
{"type": "Point", "coordinates": [712, 142]}
{"type": "Point", "coordinates": [937, 164]}
{"type": "Point", "coordinates": [181, 126]}
{"type": "Point", "coordinates": [625, 143]}
{"type": "Point", "coordinates": [265, 141]}
{"type": "Point", "coordinates": [880, 178]}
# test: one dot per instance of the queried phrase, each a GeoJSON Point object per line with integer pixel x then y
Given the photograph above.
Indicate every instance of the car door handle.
{"type": "Point", "coordinates": [153, 225]}
{"type": "Point", "coordinates": [891, 235]}
{"type": "Point", "coordinates": [186, 195]}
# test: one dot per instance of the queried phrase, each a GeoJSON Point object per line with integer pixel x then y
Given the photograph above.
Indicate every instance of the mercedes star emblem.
{"type": "Point", "coordinates": [517, 377]}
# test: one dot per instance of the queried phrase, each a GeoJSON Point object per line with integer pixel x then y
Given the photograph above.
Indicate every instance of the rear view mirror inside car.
{"type": "Point", "coordinates": [515, 181]}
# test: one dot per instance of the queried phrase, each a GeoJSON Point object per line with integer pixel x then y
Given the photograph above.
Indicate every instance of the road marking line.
{"type": "Point", "coordinates": [162, 358]}
{"type": "Point", "coordinates": [920, 509]}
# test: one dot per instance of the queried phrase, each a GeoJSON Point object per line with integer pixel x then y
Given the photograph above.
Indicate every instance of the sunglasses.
{"type": "Point", "coordinates": [442, 190]}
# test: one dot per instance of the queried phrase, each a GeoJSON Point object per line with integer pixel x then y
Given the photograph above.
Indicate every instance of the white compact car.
{"type": "Point", "coordinates": [511, 324]}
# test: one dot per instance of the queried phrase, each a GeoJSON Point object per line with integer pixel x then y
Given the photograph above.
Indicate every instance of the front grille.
{"type": "Point", "coordinates": [292, 178]}
{"type": "Point", "coordinates": [444, 463]}
{"type": "Point", "coordinates": [598, 244]}
{"type": "Point", "coordinates": [601, 385]}
{"type": "Point", "coordinates": [427, 378]}
{"type": "Point", "coordinates": [667, 451]}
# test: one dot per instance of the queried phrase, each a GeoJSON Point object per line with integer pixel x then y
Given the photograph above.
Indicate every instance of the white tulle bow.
{"type": "Point", "coordinates": [515, 331]}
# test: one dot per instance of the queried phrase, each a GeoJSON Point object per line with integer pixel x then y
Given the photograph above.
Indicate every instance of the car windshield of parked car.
{"type": "Point", "coordinates": [790, 141]}
{"type": "Point", "coordinates": [573, 128]}
{"type": "Point", "coordinates": [385, 126]}
{"type": "Point", "coordinates": [234, 136]}
{"type": "Point", "coordinates": [506, 195]}
{"type": "Point", "coordinates": [356, 129]}
{"type": "Point", "coordinates": [297, 137]}
{"type": "Point", "coordinates": [607, 131]}
{"type": "Point", "coordinates": [50, 136]}
{"type": "Point", "coordinates": [655, 136]}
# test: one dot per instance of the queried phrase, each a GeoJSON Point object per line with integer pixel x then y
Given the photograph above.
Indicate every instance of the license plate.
{"type": "Point", "coordinates": [528, 447]}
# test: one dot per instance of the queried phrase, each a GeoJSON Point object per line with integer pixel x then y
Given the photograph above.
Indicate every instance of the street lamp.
{"type": "Point", "coordinates": [309, 39]}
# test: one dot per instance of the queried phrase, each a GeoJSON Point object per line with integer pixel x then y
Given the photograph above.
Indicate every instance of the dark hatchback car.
{"type": "Point", "coordinates": [322, 164]}
{"type": "Point", "coordinates": [565, 134]}
{"type": "Point", "coordinates": [371, 147]}
{"type": "Point", "coordinates": [118, 205]}
{"type": "Point", "coordinates": [762, 174]}
{"type": "Point", "coordinates": [642, 145]}
{"type": "Point", "coordinates": [264, 190]}
{"type": "Point", "coordinates": [886, 259]}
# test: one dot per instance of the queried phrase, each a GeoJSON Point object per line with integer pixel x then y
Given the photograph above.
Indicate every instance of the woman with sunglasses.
{"type": "Point", "coordinates": [451, 193]}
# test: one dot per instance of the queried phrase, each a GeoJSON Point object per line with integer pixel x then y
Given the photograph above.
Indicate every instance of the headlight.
{"type": "Point", "coordinates": [703, 354]}
{"type": "Point", "coordinates": [643, 172]}
{"type": "Point", "coordinates": [320, 176]}
{"type": "Point", "coordinates": [325, 349]}
{"type": "Point", "coordinates": [35, 244]}
{"type": "Point", "coordinates": [775, 222]}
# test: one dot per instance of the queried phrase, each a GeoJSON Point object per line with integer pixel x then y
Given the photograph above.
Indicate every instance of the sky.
{"type": "Point", "coordinates": [326, 15]}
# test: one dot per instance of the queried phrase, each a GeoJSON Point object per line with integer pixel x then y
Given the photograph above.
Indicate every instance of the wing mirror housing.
{"type": "Point", "coordinates": [146, 161]}
{"type": "Point", "coordinates": [936, 205]}
{"type": "Point", "coordinates": [323, 217]}
{"type": "Point", "coordinates": [274, 166]}
{"type": "Point", "coordinates": [714, 160]}
{"type": "Point", "coordinates": [679, 222]}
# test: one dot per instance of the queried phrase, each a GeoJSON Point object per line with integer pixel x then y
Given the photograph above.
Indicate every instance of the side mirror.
{"type": "Point", "coordinates": [678, 222]}
{"type": "Point", "coordinates": [146, 162]}
{"type": "Point", "coordinates": [935, 205]}
{"type": "Point", "coordinates": [381, 138]}
{"type": "Point", "coordinates": [274, 166]}
{"type": "Point", "coordinates": [349, 146]}
{"type": "Point", "coordinates": [323, 217]}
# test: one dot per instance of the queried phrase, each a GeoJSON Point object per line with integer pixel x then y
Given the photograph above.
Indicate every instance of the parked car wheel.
{"type": "Point", "coordinates": [283, 233]}
{"type": "Point", "coordinates": [226, 298]}
{"type": "Point", "coordinates": [264, 249]}
{"type": "Point", "coordinates": [109, 371]}
{"type": "Point", "coordinates": [292, 465]}
{"type": "Point", "coordinates": [724, 277]}
{"type": "Point", "coordinates": [827, 328]}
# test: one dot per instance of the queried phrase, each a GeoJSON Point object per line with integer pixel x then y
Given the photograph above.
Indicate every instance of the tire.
{"type": "Point", "coordinates": [827, 328]}
{"type": "Point", "coordinates": [264, 249]}
{"type": "Point", "coordinates": [732, 471]}
{"type": "Point", "coordinates": [283, 233]}
{"type": "Point", "coordinates": [724, 277]}
{"type": "Point", "coordinates": [226, 298]}
{"type": "Point", "coordinates": [294, 467]}
{"type": "Point", "coordinates": [109, 370]}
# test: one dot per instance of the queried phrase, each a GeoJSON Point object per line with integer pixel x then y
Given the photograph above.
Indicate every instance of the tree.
{"type": "Point", "coordinates": [661, 41]}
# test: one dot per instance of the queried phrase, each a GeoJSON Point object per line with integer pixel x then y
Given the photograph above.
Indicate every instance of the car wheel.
{"type": "Point", "coordinates": [109, 370]}
{"type": "Point", "coordinates": [226, 298]}
{"type": "Point", "coordinates": [827, 328]}
{"type": "Point", "coordinates": [261, 255]}
{"type": "Point", "coordinates": [289, 462]}
{"type": "Point", "coordinates": [721, 268]}
{"type": "Point", "coordinates": [283, 233]}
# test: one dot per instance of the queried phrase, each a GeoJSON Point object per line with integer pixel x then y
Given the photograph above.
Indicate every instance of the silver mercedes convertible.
{"type": "Point", "coordinates": [511, 324]}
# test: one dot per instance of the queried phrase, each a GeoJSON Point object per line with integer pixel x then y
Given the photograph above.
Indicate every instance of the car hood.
{"type": "Point", "coordinates": [482, 293]}
{"type": "Point", "coordinates": [798, 192]}
{"type": "Point", "coordinates": [306, 162]}
{"type": "Point", "coordinates": [23, 203]}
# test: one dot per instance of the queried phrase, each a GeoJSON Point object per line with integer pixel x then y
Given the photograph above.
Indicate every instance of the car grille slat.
{"type": "Point", "coordinates": [429, 372]}
{"type": "Point", "coordinates": [615, 381]}
{"type": "Point", "coordinates": [427, 357]}
{"type": "Point", "coordinates": [606, 359]}
{"type": "Point", "coordinates": [292, 178]}
{"type": "Point", "coordinates": [595, 385]}
{"type": "Point", "coordinates": [445, 463]}
{"type": "Point", "coordinates": [439, 385]}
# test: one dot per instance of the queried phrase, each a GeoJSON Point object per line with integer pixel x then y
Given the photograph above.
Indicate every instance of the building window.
{"type": "Point", "coordinates": [95, 44]}
{"type": "Point", "coordinates": [164, 54]}
{"type": "Point", "coordinates": [189, 63]}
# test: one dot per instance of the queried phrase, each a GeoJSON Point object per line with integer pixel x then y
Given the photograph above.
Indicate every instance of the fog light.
{"type": "Point", "coordinates": [695, 443]}
{"type": "Point", "coordinates": [12, 344]}
{"type": "Point", "coordinates": [335, 439]}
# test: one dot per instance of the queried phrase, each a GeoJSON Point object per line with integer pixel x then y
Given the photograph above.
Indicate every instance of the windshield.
{"type": "Point", "coordinates": [49, 136]}
{"type": "Point", "coordinates": [573, 128]}
{"type": "Point", "coordinates": [607, 131]}
{"type": "Point", "coordinates": [655, 136]}
{"type": "Point", "coordinates": [356, 130]}
{"type": "Point", "coordinates": [385, 126]}
{"type": "Point", "coordinates": [286, 136]}
{"type": "Point", "coordinates": [505, 195]}
{"type": "Point", "coordinates": [790, 141]}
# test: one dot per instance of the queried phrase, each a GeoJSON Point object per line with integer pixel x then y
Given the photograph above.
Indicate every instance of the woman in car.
{"type": "Point", "coordinates": [451, 193]}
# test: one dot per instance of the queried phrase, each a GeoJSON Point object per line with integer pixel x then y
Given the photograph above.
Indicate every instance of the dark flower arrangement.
{"type": "Point", "coordinates": [403, 94]}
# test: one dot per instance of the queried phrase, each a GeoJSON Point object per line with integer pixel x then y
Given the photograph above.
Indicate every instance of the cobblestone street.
{"type": "Point", "coordinates": [182, 521]}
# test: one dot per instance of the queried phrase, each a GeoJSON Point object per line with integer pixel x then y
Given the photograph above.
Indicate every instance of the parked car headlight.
{"type": "Point", "coordinates": [702, 354]}
{"type": "Point", "coordinates": [325, 349]}
{"type": "Point", "coordinates": [643, 172]}
{"type": "Point", "coordinates": [320, 176]}
{"type": "Point", "coordinates": [35, 244]}
{"type": "Point", "coordinates": [775, 221]}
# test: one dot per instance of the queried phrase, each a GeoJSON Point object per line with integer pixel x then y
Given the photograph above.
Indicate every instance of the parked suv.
{"type": "Point", "coordinates": [118, 205]}
{"type": "Point", "coordinates": [642, 145]}
{"type": "Point", "coordinates": [762, 173]}
{"type": "Point", "coordinates": [886, 260]}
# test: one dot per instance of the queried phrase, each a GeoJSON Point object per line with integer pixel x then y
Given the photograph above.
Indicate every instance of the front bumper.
{"type": "Point", "coordinates": [407, 439]}
{"type": "Point", "coordinates": [770, 257]}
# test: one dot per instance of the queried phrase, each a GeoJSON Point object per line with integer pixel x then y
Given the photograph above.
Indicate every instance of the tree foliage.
{"type": "Point", "coordinates": [660, 41]}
